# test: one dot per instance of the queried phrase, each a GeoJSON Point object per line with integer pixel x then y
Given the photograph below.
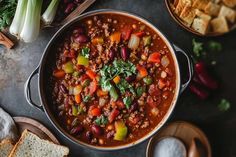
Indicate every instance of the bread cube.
{"type": "Point", "coordinates": [212, 9]}
{"type": "Point", "coordinates": [201, 25]}
{"type": "Point", "coordinates": [187, 15]}
{"type": "Point", "coordinates": [230, 3]}
{"type": "Point", "coordinates": [219, 25]}
{"type": "Point", "coordinates": [228, 13]}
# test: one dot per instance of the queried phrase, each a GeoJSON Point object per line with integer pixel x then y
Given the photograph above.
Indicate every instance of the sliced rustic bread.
{"type": "Point", "coordinates": [5, 148]}
{"type": "Point", "coordinates": [30, 145]}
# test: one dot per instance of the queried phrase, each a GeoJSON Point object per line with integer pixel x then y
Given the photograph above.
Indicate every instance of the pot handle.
{"type": "Point", "coordinates": [27, 90]}
{"type": "Point", "coordinates": [190, 68]}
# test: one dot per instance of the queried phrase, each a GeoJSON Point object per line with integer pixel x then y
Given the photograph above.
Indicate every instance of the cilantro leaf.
{"type": "Point", "coordinates": [214, 46]}
{"type": "Point", "coordinates": [224, 105]}
{"type": "Point", "coordinates": [85, 52]}
{"type": "Point", "coordinates": [197, 48]}
{"type": "Point", "coordinates": [140, 91]}
{"type": "Point", "coordinates": [127, 101]}
{"type": "Point", "coordinates": [102, 120]}
{"type": "Point", "coordinates": [87, 98]}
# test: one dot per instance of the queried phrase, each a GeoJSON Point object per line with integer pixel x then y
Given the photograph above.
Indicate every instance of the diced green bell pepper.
{"type": "Point", "coordinates": [121, 131]}
{"type": "Point", "coordinates": [113, 93]}
{"type": "Point", "coordinates": [68, 67]}
{"type": "Point", "coordinates": [81, 60]}
{"type": "Point", "coordinates": [147, 80]}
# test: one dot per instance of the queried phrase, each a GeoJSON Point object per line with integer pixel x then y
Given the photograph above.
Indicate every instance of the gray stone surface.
{"type": "Point", "coordinates": [18, 63]}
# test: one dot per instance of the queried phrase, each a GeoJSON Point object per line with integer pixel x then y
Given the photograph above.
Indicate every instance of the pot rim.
{"type": "Point", "coordinates": [53, 119]}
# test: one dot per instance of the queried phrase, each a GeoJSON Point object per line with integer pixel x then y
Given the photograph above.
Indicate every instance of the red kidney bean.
{"type": "Point", "coordinates": [89, 135]}
{"type": "Point", "coordinates": [200, 92]}
{"type": "Point", "coordinates": [124, 53]}
{"type": "Point", "coordinates": [82, 38]}
{"type": "Point", "coordinates": [112, 53]}
{"type": "Point", "coordinates": [78, 30]}
{"type": "Point", "coordinates": [69, 8]}
{"type": "Point", "coordinates": [77, 130]}
{"type": "Point", "coordinates": [130, 78]}
{"type": "Point", "coordinates": [63, 89]}
{"type": "Point", "coordinates": [97, 130]}
{"type": "Point", "coordinates": [204, 77]}
{"type": "Point", "coordinates": [133, 107]}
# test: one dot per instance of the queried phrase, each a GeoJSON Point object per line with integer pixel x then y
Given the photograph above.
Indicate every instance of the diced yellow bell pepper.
{"type": "Point", "coordinates": [68, 67]}
{"type": "Point", "coordinates": [81, 60]}
{"type": "Point", "coordinates": [121, 131]}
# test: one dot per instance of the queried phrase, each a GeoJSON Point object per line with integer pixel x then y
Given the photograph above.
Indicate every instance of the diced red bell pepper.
{"type": "Point", "coordinates": [142, 72]}
{"type": "Point", "coordinates": [95, 112]}
{"type": "Point", "coordinates": [126, 33]}
{"type": "Point", "coordinates": [91, 74]}
{"type": "Point", "coordinates": [114, 113]}
{"type": "Point", "coordinates": [59, 73]}
{"type": "Point", "coordinates": [140, 34]}
{"type": "Point", "coordinates": [155, 57]}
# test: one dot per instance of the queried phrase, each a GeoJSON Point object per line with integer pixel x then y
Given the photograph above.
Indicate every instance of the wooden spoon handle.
{"type": "Point", "coordinates": [81, 8]}
{"type": "Point", "coordinates": [6, 41]}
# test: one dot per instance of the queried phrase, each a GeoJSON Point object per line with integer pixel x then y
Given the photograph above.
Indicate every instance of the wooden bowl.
{"type": "Point", "coordinates": [183, 25]}
{"type": "Point", "coordinates": [183, 131]}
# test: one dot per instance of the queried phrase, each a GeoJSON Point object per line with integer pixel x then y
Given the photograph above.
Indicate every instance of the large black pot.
{"type": "Point", "coordinates": [44, 72]}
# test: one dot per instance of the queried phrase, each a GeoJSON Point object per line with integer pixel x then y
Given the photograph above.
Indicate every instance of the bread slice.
{"type": "Point", "coordinates": [181, 4]}
{"type": "Point", "coordinates": [30, 145]}
{"type": "Point", "coordinates": [200, 25]}
{"type": "Point", "coordinates": [200, 4]}
{"type": "Point", "coordinates": [212, 9]}
{"type": "Point", "coordinates": [228, 13]}
{"type": "Point", "coordinates": [5, 147]}
{"type": "Point", "coordinates": [219, 25]}
{"type": "Point", "coordinates": [187, 15]}
{"type": "Point", "coordinates": [230, 3]}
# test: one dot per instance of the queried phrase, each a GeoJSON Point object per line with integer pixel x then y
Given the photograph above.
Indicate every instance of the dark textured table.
{"type": "Point", "coordinates": [220, 127]}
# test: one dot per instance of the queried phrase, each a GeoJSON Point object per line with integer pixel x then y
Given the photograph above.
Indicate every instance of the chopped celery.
{"type": "Point", "coordinates": [19, 18]}
{"type": "Point", "coordinates": [49, 14]}
{"type": "Point", "coordinates": [68, 67]}
{"type": "Point", "coordinates": [31, 25]}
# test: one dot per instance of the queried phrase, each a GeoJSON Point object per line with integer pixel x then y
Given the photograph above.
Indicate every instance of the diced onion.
{"type": "Point", "coordinates": [165, 61]}
{"type": "Point", "coordinates": [134, 42]}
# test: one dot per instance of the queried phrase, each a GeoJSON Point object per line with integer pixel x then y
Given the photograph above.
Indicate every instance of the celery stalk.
{"type": "Point", "coordinates": [49, 14]}
{"type": "Point", "coordinates": [31, 25]}
{"type": "Point", "coordinates": [19, 18]}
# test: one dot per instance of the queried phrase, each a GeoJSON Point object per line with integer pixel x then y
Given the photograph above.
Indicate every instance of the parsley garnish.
{"type": "Point", "coordinates": [214, 46]}
{"type": "Point", "coordinates": [140, 91]}
{"type": "Point", "coordinates": [87, 98]}
{"type": "Point", "coordinates": [121, 68]}
{"type": "Point", "coordinates": [7, 11]}
{"type": "Point", "coordinates": [224, 105]}
{"type": "Point", "coordinates": [127, 101]}
{"type": "Point", "coordinates": [102, 120]}
{"type": "Point", "coordinates": [197, 48]}
{"type": "Point", "coordinates": [85, 52]}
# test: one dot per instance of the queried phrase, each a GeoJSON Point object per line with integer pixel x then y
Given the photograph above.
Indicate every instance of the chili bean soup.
{"type": "Point", "coordinates": [113, 81]}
